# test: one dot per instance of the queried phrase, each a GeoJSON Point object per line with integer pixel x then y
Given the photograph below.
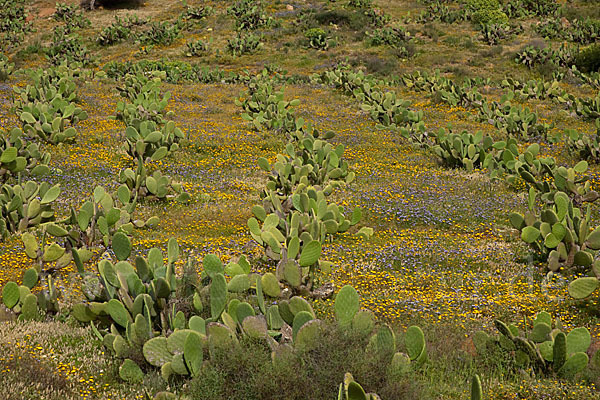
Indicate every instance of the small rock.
{"type": "Point", "coordinates": [289, 7]}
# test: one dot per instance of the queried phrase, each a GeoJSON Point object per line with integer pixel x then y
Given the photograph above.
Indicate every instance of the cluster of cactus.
{"type": "Point", "coordinates": [515, 121]}
{"type": "Point", "coordinates": [196, 48]}
{"type": "Point", "coordinates": [68, 47]}
{"type": "Point", "coordinates": [531, 56]}
{"type": "Point", "coordinates": [143, 100]}
{"type": "Point", "coordinates": [590, 78]}
{"type": "Point", "coordinates": [71, 16]}
{"type": "Point", "coordinates": [155, 186]}
{"type": "Point", "coordinates": [439, 10]}
{"type": "Point", "coordinates": [586, 147]}
{"type": "Point", "coordinates": [588, 108]}
{"type": "Point", "coordinates": [462, 149]}
{"type": "Point", "coordinates": [579, 31]}
{"type": "Point", "coordinates": [390, 111]}
{"type": "Point", "coordinates": [74, 238]}
{"type": "Point", "coordinates": [14, 23]}
{"type": "Point", "coordinates": [378, 18]}
{"type": "Point", "coordinates": [530, 8]}
{"type": "Point", "coordinates": [48, 108]}
{"type": "Point", "coordinates": [133, 307]}
{"type": "Point", "coordinates": [346, 80]}
{"type": "Point", "coordinates": [6, 68]}
{"type": "Point", "coordinates": [492, 34]}
{"type": "Point", "coordinates": [147, 141]}
{"type": "Point", "coordinates": [197, 13]}
{"type": "Point", "coordinates": [17, 156]}
{"type": "Point", "coordinates": [535, 89]}
{"type": "Point", "coordinates": [26, 206]}
{"type": "Point", "coordinates": [118, 31]}
{"type": "Point", "coordinates": [295, 214]}
{"type": "Point", "coordinates": [546, 349]}
{"type": "Point", "coordinates": [465, 94]}
{"type": "Point", "coordinates": [560, 233]}
{"type": "Point", "coordinates": [174, 71]}
{"type": "Point", "coordinates": [249, 15]}
{"type": "Point", "coordinates": [265, 107]}
{"type": "Point", "coordinates": [395, 36]}
{"type": "Point", "coordinates": [160, 33]}
{"type": "Point", "coordinates": [26, 305]}
{"type": "Point", "coordinates": [317, 38]}
{"type": "Point", "coordinates": [351, 390]}
{"type": "Point", "coordinates": [243, 44]}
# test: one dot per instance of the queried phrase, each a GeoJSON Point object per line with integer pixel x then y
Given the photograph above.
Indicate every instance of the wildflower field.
{"type": "Point", "coordinates": [313, 199]}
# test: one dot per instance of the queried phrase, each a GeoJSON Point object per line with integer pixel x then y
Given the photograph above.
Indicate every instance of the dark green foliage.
{"type": "Point", "coordinates": [248, 372]}
{"type": "Point", "coordinates": [588, 60]}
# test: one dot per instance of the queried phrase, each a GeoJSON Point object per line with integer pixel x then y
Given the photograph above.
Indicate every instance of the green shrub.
{"type": "Point", "coordinates": [489, 16]}
{"type": "Point", "coordinates": [588, 60]}
{"type": "Point", "coordinates": [478, 5]}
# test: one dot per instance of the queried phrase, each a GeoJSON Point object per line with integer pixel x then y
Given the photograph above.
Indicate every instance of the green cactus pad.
{"type": "Point", "coordinates": [166, 371]}
{"type": "Point", "coordinates": [255, 326]}
{"type": "Point", "coordinates": [118, 312]}
{"type": "Point", "coordinates": [540, 332]}
{"type": "Point", "coordinates": [229, 321]}
{"type": "Point", "coordinates": [121, 245]}
{"type": "Point", "coordinates": [476, 390]}
{"type": "Point", "coordinates": [583, 287]}
{"type": "Point", "coordinates": [165, 395]}
{"type": "Point", "coordinates": [218, 295]}
{"type": "Point", "coordinates": [260, 298]}
{"type": "Point", "coordinates": [574, 365]}
{"type": "Point", "coordinates": [530, 234]}
{"type": "Point", "coordinates": [363, 323]}
{"type": "Point", "coordinates": [244, 310]}
{"type": "Point", "coordinates": [300, 319]}
{"type": "Point", "coordinates": [197, 324]}
{"type": "Point", "coordinates": [310, 253]}
{"type": "Point", "coordinates": [308, 336]}
{"type": "Point", "coordinates": [10, 294]}
{"type": "Point", "coordinates": [285, 312]}
{"type": "Point", "coordinates": [172, 250]}
{"type": "Point", "coordinates": [192, 354]}
{"type": "Point", "coordinates": [384, 341]}
{"type": "Point", "coordinates": [547, 350]}
{"type": "Point", "coordinates": [544, 317]}
{"type": "Point", "coordinates": [212, 265]}
{"type": "Point", "coordinates": [400, 365]}
{"type": "Point", "coordinates": [347, 305]}
{"type": "Point", "coordinates": [176, 340]}
{"type": "Point", "coordinates": [414, 340]}
{"type": "Point", "coordinates": [239, 284]}
{"type": "Point", "coordinates": [30, 311]}
{"type": "Point", "coordinates": [220, 336]}
{"type": "Point", "coordinates": [178, 365]}
{"type": "Point", "coordinates": [578, 340]}
{"type": "Point", "coordinates": [292, 273]}
{"type": "Point", "coordinates": [82, 313]}
{"type": "Point", "coordinates": [30, 278]}
{"type": "Point", "coordinates": [559, 350]}
{"type": "Point", "coordinates": [298, 304]}
{"type": "Point", "coordinates": [156, 352]}
{"type": "Point", "coordinates": [131, 372]}
{"type": "Point", "coordinates": [274, 319]}
{"type": "Point", "coordinates": [270, 285]}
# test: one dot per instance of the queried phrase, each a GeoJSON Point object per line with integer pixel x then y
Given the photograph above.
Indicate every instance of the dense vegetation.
{"type": "Point", "coordinates": [320, 199]}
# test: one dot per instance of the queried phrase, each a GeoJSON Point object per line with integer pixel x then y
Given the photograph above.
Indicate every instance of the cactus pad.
{"type": "Point", "coordinates": [156, 352]}
{"type": "Point", "coordinates": [131, 372]}
{"type": "Point", "coordinates": [10, 294]}
{"type": "Point", "coordinates": [346, 305]}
